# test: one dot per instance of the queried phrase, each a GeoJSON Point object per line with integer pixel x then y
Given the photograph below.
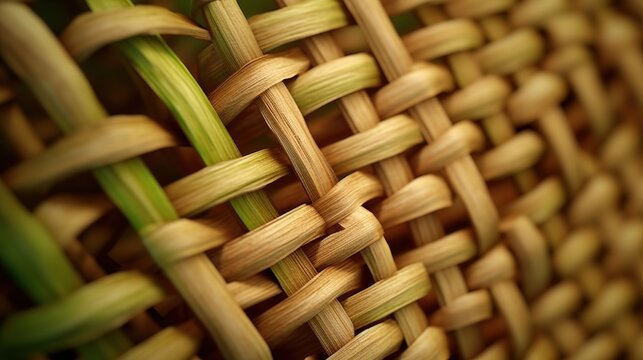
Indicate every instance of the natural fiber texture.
{"type": "Point", "coordinates": [356, 179]}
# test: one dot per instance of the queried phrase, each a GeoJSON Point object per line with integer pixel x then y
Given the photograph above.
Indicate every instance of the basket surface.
{"type": "Point", "coordinates": [363, 179]}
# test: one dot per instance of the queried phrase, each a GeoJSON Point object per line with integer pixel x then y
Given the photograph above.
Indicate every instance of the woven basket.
{"type": "Point", "coordinates": [408, 179]}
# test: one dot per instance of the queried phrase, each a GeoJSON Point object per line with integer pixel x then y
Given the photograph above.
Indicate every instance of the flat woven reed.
{"type": "Point", "coordinates": [356, 179]}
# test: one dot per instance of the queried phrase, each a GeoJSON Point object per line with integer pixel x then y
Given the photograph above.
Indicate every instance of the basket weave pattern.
{"type": "Point", "coordinates": [471, 188]}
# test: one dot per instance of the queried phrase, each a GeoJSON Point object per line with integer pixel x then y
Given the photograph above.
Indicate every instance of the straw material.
{"type": "Point", "coordinates": [356, 179]}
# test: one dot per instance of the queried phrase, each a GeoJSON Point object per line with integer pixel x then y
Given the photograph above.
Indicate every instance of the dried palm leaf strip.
{"type": "Point", "coordinates": [498, 128]}
{"type": "Point", "coordinates": [332, 333]}
{"type": "Point", "coordinates": [431, 344]}
{"type": "Point", "coordinates": [234, 94]}
{"type": "Point", "coordinates": [394, 172]}
{"type": "Point", "coordinates": [200, 146]}
{"type": "Point", "coordinates": [386, 335]}
{"type": "Point", "coordinates": [395, 62]}
{"type": "Point", "coordinates": [496, 265]}
{"type": "Point", "coordinates": [619, 38]}
{"type": "Point", "coordinates": [466, 71]}
{"type": "Point", "coordinates": [129, 183]}
{"type": "Point", "coordinates": [282, 132]}
{"type": "Point", "coordinates": [65, 227]}
{"type": "Point", "coordinates": [283, 318]}
{"type": "Point", "coordinates": [335, 79]}
{"type": "Point", "coordinates": [530, 248]}
{"type": "Point", "coordinates": [223, 181]}
{"type": "Point", "coordinates": [459, 141]}
{"type": "Point", "coordinates": [575, 62]}
{"type": "Point", "coordinates": [501, 134]}
{"type": "Point", "coordinates": [520, 335]}
{"type": "Point", "coordinates": [250, 253]}
{"type": "Point", "coordinates": [41, 269]}
{"type": "Point", "coordinates": [551, 120]}
{"type": "Point", "coordinates": [202, 130]}
{"type": "Point", "coordinates": [17, 132]}
{"type": "Point", "coordinates": [286, 25]}
{"type": "Point", "coordinates": [120, 138]}
{"type": "Point", "coordinates": [385, 296]}
{"type": "Point", "coordinates": [360, 229]}
{"type": "Point", "coordinates": [385, 140]}
{"type": "Point", "coordinates": [90, 31]}
{"type": "Point", "coordinates": [94, 314]}
{"type": "Point", "coordinates": [170, 343]}
{"type": "Point", "coordinates": [275, 28]}
{"type": "Point", "coordinates": [467, 309]}
{"type": "Point", "coordinates": [513, 156]}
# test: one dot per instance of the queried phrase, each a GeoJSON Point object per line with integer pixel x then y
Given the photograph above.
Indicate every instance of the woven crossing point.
{"type": "Point", "coordinates": [313, 179]}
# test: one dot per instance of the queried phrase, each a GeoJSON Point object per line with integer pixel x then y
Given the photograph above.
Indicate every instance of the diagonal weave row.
{"type": "Point", "coordinates": [466, 187]}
